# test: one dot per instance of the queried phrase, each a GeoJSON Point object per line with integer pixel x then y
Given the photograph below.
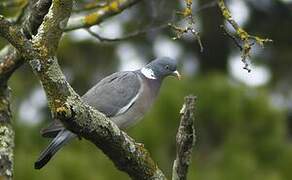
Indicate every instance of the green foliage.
{"type": "Point", "coordinates": [239, 135]}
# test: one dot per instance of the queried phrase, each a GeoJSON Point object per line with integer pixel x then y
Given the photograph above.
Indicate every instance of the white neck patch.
{"type": "Point", "coordinates": [148, 73]}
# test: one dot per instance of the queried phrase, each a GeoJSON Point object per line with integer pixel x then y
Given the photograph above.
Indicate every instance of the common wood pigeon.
{"type": "Point", "coordinates": [124, 97]}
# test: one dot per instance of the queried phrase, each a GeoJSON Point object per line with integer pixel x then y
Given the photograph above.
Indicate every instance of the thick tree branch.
{"type": "Point", "coordinates": [13, 34]}
{"type": "Point", "coordinates": [67, 106]}
{"type": "Point", "coordinates": [85, 121]}
{"type": "Point", "coordinates": [30, 23]}
{"type": "Point", "coordinates": [38, 9]}
{"type": "Point", "coordinates": [185, 140]}
{"type": "Point", "coordinates": [6, 135]}
{"type": "Point", "coordinates": [10, 60]}
{"type": "Point", "coordinates": [113, 8]}
{"type": "Point", "coordinates": [15, 37]}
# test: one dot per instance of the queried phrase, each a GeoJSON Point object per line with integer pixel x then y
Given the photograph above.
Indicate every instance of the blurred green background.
{"type": "Point", "coordinates": [243, 120]}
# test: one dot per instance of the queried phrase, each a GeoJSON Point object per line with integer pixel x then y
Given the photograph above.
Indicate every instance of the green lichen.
{"type": "Point", "coordinates": [91, 19]}
{"type": "Point", "coordinates": [247, 40]}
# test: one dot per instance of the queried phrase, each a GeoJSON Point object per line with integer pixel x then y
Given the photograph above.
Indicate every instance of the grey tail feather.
{"type": "Point", "coordinates": [52, 130]}
{"type": "Point", "coordinates": [50, 133]}
{"type": "Point", "coordinates": [61, 139]}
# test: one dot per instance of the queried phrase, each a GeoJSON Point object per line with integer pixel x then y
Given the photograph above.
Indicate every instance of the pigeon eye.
{"type": "Point", "coordinates": [166, 67]}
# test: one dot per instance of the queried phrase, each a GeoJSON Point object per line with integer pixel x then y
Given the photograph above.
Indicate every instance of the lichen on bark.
{"type": "Point", "coordinates": [6, 135]}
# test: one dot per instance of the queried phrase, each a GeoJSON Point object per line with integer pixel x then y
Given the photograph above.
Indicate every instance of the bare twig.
{"type": "Point", "coordinates": [152, 28]}
{"type": "Point", "coordinates": [185, 140]}
{"type": "Point", "coordinates": [128, 36]}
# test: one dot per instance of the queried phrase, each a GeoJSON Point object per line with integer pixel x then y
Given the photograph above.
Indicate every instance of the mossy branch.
{"type": "Point", "coordinates": [10, 60]}
{"type": "Point", "coordinates": [6, 135]}
{"type": "Point", "coordinates": [12, 33]}
{"type": "Point", "coordinates": [89, 6]}
{"type": "Point", "coordinates": [67, 106]}
{"type": "Point", "coordinates": [246, 39]}
{"type": "Point", "coordinates": [187, 13]}
{"type": "Point", "coordinates": [112, 8]}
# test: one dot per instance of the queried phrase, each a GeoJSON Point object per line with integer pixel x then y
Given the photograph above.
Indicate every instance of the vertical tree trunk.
{"type": "Point", "coordinates": [6, 134]}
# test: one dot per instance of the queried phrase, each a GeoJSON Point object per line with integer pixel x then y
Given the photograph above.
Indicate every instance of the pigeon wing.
{"type": "Point", "coordinates": [114, 94]}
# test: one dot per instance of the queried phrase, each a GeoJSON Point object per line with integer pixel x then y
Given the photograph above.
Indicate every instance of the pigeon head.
{"type": "Point", "coordinates": [161, 68]}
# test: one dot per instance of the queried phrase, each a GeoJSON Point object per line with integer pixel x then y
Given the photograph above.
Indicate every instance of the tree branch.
{"type": "Point", "coordinates": [12, 34]}
{"type": "Point", "coordinates": [246, 39]}
{"type": "Point", "coordinates": [127, 36]}
{"type": "Point", "coordinates": [99, 15]}
{"type": "Point", "coordinates": [67, 106]}
{"type": "Point", "coordinates": [185, 140]}
{"type": "Point", "coordinates": [6, 135]}
{"type": "Point", "coordinates": [10, 60]}
{"type": "Point", "coordinates": [38, 9]}
{"type": "Point", "coordinates": [187, 13]}
{"type": "Point", "coordinates": [89, 6]}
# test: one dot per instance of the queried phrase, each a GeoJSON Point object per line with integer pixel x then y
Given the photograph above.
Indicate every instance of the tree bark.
{"type": "Point", "coordinates": [185, 140]}
{"type": "Point", "coordinates": [10, 60]}
{"type": "Point", "coordinates": [66, 105]}
{"type": "Point", "coordinates": [6, 134]}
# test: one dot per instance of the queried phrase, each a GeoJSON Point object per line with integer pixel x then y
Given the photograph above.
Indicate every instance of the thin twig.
{"type": "Point", "coordinates": [246, 39]}
{"type": "Point", "coordinates": [187, 13]}
{"type": "Point", "coordinates": [89, 6]}
{"type": "Point", "coordinates": [128, 36]}
{"type": "Point", "coordinates": [231, 36]}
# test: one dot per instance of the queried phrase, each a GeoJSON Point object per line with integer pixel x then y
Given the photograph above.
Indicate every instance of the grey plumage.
{"type": "Point", "coordinates": [62, 138]}
{"type": "Point", "coordinates": [103, 96]}
{"type": "Point", "coordinates": [124, 97]}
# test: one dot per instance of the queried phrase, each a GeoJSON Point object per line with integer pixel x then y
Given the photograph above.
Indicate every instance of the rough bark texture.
{"type": "Point", "coordinates": [6, 135]}
{"type": "Point", "coordinates": [10, 60]}
{"type": "Point", "coordinates": [67, 106]}
{"type": "Point", "coordinates": [185, 140]}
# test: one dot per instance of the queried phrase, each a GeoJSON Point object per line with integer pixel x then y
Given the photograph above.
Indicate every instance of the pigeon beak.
{"type": "Point", "coordinates": [176, 74]}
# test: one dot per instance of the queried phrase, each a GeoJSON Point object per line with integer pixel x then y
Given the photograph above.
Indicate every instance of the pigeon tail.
{"type": "Point", "coordinates": [61, 139]}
